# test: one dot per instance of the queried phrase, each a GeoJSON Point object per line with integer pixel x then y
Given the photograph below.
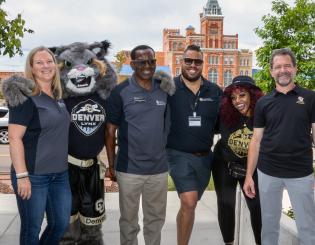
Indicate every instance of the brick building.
{"type": "Point", "coordinates": [223, 60]}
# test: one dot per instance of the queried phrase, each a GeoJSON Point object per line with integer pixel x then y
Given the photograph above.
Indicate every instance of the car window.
{"type": "Point", "coordinates": [3, 112]}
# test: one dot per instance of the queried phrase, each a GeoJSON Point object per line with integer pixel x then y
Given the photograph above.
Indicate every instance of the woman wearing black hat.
{"type": "Point", "coordinates": [230, 154]}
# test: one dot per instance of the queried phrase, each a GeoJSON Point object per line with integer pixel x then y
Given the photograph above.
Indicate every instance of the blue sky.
{"type": "Point", "coordinates": [126, 23]}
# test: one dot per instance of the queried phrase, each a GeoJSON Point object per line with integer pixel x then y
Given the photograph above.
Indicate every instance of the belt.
{"type": "Point", "coordinates": [200, 154]}
{"type": "Point", "coordinates": [80, 163]}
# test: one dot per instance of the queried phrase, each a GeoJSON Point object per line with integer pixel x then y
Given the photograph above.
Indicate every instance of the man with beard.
{"type": "Point", "coordinates": [194, 109]}
{"type": "Point", "coordinates": [282, 147]}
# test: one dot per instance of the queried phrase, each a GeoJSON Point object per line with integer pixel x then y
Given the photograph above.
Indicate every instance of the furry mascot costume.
{"type": "Point", "coordinates": [87, 79]}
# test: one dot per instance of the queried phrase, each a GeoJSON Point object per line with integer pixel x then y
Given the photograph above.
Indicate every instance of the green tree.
{"type": "Point", "coordinates": [120, 60]}
{"type": "Point", "coordinates": [292, 27]}
{"type": "Point", "coordinates": [11, 32]}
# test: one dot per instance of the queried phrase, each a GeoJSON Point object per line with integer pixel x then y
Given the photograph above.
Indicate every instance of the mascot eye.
{"type": "Point", "coordinates": [90, 61]}
{"type": "Point", "coordinates": [68, 64]}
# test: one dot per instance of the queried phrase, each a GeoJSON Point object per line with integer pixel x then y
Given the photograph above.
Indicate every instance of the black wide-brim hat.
{"type": "Point", "coordinates": [243, 80]}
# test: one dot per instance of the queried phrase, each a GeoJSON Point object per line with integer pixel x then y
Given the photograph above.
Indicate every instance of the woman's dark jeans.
{"type": "Point", "coordinates": [51, 194]}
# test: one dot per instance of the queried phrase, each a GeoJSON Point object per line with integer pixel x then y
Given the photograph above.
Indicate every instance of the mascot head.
{"type": "Point", "coordinates": [84, 69]}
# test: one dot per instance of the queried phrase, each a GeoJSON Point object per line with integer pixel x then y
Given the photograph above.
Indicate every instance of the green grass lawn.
{"type": "Point", "coordinates": [171, 186]}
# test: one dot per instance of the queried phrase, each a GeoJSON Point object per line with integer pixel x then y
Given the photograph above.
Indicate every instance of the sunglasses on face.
{"type": "Point", "coordinates": [141, 63]}
{"type": "Point", "coordinates": [197, 62]}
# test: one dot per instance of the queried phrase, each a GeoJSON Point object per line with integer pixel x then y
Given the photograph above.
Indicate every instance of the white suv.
{"type": "Point", "coordinates": [4, 119]}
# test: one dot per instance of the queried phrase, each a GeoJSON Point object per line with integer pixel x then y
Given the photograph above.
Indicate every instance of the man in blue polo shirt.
{"type": "Point", "coordinates": [137, 108]}
{"type": "Point", "coordinates": [194, 109]}
{"type": "Point", "coordinates": [282, 147]}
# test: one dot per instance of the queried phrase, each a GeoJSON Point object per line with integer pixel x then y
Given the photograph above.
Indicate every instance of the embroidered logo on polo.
{"type": "Point", "coordinates": [160, 102]}
{"type": "Point", "coordinates": [61, 104]}
{"type": "Point", "coordinates": [300, 100]}
{"type": "Point", "coordinates": [88, 116]}
{"type": "Point", "coordinates": [239, 141]}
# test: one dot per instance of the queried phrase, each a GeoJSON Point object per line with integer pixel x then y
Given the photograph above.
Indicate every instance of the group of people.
{"type": "Point", "coordinates": [161, 131]}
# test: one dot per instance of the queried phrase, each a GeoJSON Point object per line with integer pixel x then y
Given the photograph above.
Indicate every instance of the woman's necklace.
{"type": "Point", "coordinates": [245, 121]}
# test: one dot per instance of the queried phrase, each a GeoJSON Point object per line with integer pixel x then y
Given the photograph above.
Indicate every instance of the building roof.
{"type": "Point", "coordinates": [190, 27]}
{"type": "Point", "coordinates": [126, 70]}
{"type": "Point", "coordinates": [212, 8]}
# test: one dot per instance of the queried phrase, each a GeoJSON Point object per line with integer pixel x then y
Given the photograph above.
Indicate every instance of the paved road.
{"type": "Point", "coordinates": [5, 161]}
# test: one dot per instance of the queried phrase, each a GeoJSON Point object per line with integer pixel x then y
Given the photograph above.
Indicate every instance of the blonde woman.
{"type": "Point", "coordinates": [38, 134]}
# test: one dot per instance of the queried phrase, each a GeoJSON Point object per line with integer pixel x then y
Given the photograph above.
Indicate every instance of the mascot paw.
{"type": "Point", "coordinates": [17, 89]}
{"type": "Point", "coordinates": [167, 83]}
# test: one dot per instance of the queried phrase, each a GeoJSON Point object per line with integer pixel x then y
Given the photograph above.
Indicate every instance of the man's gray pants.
{"type": "Point", "coordinates": [301, 193]}
{"type": "Point", "coordinates": [153, 189]}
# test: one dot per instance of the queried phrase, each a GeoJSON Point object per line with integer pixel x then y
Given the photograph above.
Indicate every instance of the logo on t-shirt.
{"type": "Point", "coordinates": [239, 141]}
{"type": "Point", "coordinates": [88, 116]}
{"type": "Point", "coordinates": [300, 100]}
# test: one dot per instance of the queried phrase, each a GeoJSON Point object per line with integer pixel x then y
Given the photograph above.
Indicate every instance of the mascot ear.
{"type": "Point", "coordinates": [100, 48]}
{"type": "Point", "coordinates": [53, 49]}
{"type": "Point", "coordinates": [106, 45]}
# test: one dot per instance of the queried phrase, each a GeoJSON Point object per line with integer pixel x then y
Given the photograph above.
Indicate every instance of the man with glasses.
{"type": "Point", "coordinates": [137, 108]}
{"type": "Point", "coordinates": [281, 147]}
{"type": "Point", "coordinates": [194, 109]}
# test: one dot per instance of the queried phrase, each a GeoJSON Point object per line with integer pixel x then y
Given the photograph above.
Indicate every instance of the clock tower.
{"type": "Point", "coordinates": [211, 25]}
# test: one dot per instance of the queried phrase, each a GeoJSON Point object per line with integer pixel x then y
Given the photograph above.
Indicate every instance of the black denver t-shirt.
{"type": "Point", "coordinates": [87, 128]}
{"type": "Point", "coordinates": [235, 140]}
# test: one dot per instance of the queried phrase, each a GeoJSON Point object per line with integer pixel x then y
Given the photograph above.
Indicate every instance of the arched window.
{"type": "Point", "coordinates": [246, 73]}
{"type": "Point", "coordinates": [174, 46]}
{"type": "Point", "coordinates": [227, 78]}
{"type": "Point", "coordinates": [213, 75]}
{"type": "Point", "coordinates": [241, 73]}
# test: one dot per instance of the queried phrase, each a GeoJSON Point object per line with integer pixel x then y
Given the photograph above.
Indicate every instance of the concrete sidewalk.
{"type": "Point", "coordinates": [206, 229]}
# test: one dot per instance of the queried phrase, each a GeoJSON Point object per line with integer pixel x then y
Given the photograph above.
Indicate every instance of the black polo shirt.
{"type": "Point", "coordinates": [183, 137]}
{"type": "Point", "coordinates": [286, 146]}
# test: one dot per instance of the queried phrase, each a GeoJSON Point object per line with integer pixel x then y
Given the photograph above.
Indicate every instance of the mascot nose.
{"type": "Point", "coordinates": [80, 67]}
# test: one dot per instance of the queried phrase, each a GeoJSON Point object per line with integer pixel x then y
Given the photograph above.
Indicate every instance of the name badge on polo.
{"type": "Point", "coordinates": [205, 99]}
{"type": "Point", "coordinates": [139, 99]}
{"type": "Point", "coordinates": [194, 120]}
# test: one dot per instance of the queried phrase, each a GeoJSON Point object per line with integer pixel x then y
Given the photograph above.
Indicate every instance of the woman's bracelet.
{"type": "Point", "coordinates": [22, 175]}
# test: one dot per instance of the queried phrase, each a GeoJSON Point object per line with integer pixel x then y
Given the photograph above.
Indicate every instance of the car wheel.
{"type": "Point", "coordinates": [4, 136]}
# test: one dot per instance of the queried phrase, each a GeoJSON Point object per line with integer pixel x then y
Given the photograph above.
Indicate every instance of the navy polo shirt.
{"type": "Point", "coordinates": [182, 137]}
{"type": "Point", "coordinates": [286, 146]}
{"type": "Point", "coordinates": [46, 137]}
{"type": "Point", "coordinates": [141, 118]}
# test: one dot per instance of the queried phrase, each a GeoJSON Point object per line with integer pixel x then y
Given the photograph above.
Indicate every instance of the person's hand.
{"type": "Point", "coordinates": [24, 188]}
{"type": "Point", "coordinates": [249, 187]}
{"type": "Point", "coordinates": [110, 173]}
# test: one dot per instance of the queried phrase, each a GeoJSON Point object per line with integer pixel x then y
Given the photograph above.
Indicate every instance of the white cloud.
{"type": "Point", "coordinates": [126, 23]}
